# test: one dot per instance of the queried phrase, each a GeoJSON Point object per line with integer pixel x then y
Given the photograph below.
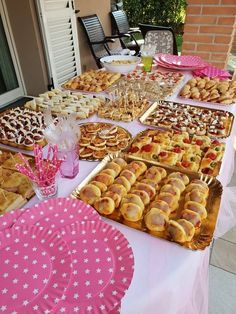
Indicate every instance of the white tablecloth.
{"type": "Point", "coordinates": [168, 279]}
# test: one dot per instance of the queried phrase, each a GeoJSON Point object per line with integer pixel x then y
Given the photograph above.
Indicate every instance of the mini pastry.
{"type": "Point", "coordinates": [177, 232]}
{"type": "Point", "coordinates": [188, 228]}
{"type": "Point", "coordinates": [121, 162]}
{"type": "Point", "coordinates": [156, 220]}
{"type": "Point", "coordinates": [177, 183]}
{"type": "Point", "coordinates": [119, 189]}
{"type": "Point", "coordinates": [87, 152]}
{"type": "Point", "coordinates": [168, 188]}
{"type": "Point", "coordinates": [179, 175]}
{"type": "Point", "coordinates": [115, 196]}
{"type": "Point", "coordinates": [154, 174]}
{"type": "Point", "coordinates": [137, 167]}
{"type": "Point", "coordinates": [196, 196]}
{"type": "Point", "coordinates": [150, 182]}
{"type": "Point", "coordinates": [105, 205]}
{"type": "Point", "coordinates": [143, 195]}
{"type": "Point", "coordinates": [168, 158]}
{"type": "Point", "coordinates": [162, 205]}
{"type": "Point", "coordinates": [192, 216]}
{"type": "Point", "coordinates": [196, 186]}
{"type": "Point", "coordinates": [104, 178]}
{"type": "Point", "coordinates": [109, 172]}
{"type": "Point", "coordinates": [90, 193]}
{"type": "Point", "coordinates": [100, 185]}
{"type": "Point", "coordinates": [133, 198]}
{"type": "Point", "coordinates": [99, 154]}
{"type": "Point", "coordinates": [147, 188]}
{"type": "Point", "coordinates": [129, 175]}
{"type": "Point", "coordinates": [114, 166]}
{"type": "Point", "coordinates": [123, 181]}
{"type": "Point", "coordinates": [196, 207]}
{"type": "Point", "coordinates": [170, 199]}
{"type": "Point", "coordinates": [131, 212]}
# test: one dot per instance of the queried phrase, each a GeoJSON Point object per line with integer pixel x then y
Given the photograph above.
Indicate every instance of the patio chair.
{"type": "Point", "coordinates": [162, 36]}
{"type": "Point", "coordinates": [121, 24]}
{"type": "Point", "coordinates": [98, 42]}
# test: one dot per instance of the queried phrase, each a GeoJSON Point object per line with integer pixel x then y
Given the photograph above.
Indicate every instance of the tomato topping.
{"type": "Point", "coordinates": [163, 154]}
{"type": "Point", "coordinates": [146, 148]}
{"type": "Point", "coordinates": [205, 170]}
{"type": "Point", "coordinates": [220, 127]}
{"type": "Point", "coordinates": [186, 140]}
{"type": "Point", "coordinates": [156, 141]}
{"type": "Point", "coordinates": [185, 164]}
{"type": "Point", "coordinates": [206, 149]}
{"type": "Point", "coordinates": [199, 142]}
{"type": "Point", "coordinates": [215, 142]}
{"type": "Point", "coordinates": [176, 150]}
{"type": "Point", "coordinates": [212, 156]}
{"type": "Point", "coordinates": [134, 149]}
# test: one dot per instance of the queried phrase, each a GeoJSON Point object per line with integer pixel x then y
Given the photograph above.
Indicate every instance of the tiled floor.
{"type": "Point", "coordinates": [222, 286]}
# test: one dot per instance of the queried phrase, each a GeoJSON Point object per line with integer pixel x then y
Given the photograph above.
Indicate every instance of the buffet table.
{"type": "Point", "coordinates": [167, 277]}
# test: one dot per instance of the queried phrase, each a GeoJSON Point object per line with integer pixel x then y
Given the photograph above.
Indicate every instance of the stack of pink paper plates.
{"type": "Point", "coordinates": [180, 62]}
{"type": "Point", "coordinates": [60, 257]}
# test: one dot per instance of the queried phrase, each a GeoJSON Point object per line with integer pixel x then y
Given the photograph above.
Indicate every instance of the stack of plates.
{"type": "Point", "coordinates": [174, 62]}
{"type": "Point", "coordinates": [60, 257]}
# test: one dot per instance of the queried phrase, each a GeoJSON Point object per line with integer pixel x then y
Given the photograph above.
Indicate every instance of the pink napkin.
{"type": "Point", "coordinates": [212, 72]}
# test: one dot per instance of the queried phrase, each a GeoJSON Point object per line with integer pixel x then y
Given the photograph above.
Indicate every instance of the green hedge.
{"type": "Point", "coordinates": [157, 12]}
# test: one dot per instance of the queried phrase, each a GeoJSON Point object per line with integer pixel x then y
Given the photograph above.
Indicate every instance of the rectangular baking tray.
{"type": "Point", "coordinates": [203, 235]}
{"type": "Point", "coordinates": [146, 114]}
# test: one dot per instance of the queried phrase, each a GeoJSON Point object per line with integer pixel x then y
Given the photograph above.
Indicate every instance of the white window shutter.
{"type": "Point", "coordinates": [60, 38]}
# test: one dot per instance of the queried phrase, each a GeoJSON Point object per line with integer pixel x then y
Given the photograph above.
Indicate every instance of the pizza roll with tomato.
{"type": "Point", "coordinates": [147, 188]}
{"type": "Point", "coordinates": [90, 193]}
{"type": "Point", "coordinates": [133, 198]}
{"type": "Point", "coordinates": [168, 158]}
{"type": "Point", "coordinates": [181, 230]}
{"type": "Point", "coordinates": [197, 185]}
{"type": "Point", "coordinates": [154, 174]}
{"type": "Point", "coordinates": [105, 205]}
{"type": "Point", "coordinates": [196, 196]}
{"type": "Point", "coordinates": [137, 167]}
{"type": "Point", "coordinates": [168, 188]}
{"type": "Point", "coordinates": [162, 205]}
{"type": "Point", "coordinates": [143, 195]}
{"type": "Point", "coordinates": [119, 189]}
{"type": "Point", "coordinates": [123, 181]}
{"type": "Point", "coordinates": [129, 175]}
{"type": "Point", "coordinates": [178, 183]}
{"type": "Point", "coordinates": [150, 151]}
{"type": "Point", "coordinates": [170, 199]}
{"type": "Point", "coordinates": [156, 220]}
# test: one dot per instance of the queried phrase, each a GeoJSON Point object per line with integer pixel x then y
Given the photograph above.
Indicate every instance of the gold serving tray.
{"type": "Point", "coordinates": [176, 168]}
{"type": "Point", "coordinates": [203, 236]}
{"type": "Point", "coordinates": [154, 106]}
{"type": "Point", "coordinates": [110, 125]}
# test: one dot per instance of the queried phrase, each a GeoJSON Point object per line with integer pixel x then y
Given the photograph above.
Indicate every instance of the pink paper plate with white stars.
{"type": "Point", "coordinates": [102, 270]}
{"type": "Point", "coordinates": [7, 220]}
{"type": "Point", "coordinates": [57, 213]}
{"type": "Point", "coordinates": [35, 270]}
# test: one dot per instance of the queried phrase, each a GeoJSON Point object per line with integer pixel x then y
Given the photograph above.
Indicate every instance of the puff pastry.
{"type": "Point", "coordinates": [156, 220]}
{"type": "Point", "coordinates": [105, 205]}
{"type": "Point", "coordinates": [90, 193]}
{"type": "Point", "coordinates": [131, 212]}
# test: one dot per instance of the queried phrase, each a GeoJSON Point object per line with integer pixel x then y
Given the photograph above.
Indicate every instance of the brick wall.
{"type": "Point", "coordinates": [209, 29]}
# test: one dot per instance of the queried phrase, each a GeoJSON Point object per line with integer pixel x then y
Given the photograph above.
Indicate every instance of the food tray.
{"type": "Point", "coordinates": [90, 136]}
{"type": "Point", "coordinates": [203, 236]}
{"type": "Point", "coordinates": [218, 92]}
{"type": "Point", "coordinates": [101, 81]}
{"type": "Point", "coordinates": [10, 169]}
{"type": "Point", "coordinates": [118, 110]}
{"type": "Point", "coordinates": [179, 110]}
{"type": "Point", "coordinates": [195, 150]}
{"type": "Point", "coordinates": [22, 128]}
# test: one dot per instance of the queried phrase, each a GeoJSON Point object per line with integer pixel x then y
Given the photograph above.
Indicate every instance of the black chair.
{"type": "Point", "coordinates": [163, 37]}
{"type": "Point", "coordinates": [120, 22]}
{"type": "Point", "coordinates": [98, 42]}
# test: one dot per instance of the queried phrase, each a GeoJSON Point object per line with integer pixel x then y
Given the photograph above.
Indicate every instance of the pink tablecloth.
{"type": "Point", "coordinates": [168, 279]}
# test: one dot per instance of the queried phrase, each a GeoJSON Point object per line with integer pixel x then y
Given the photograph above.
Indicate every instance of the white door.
{"type": "Point", "coordinates": [58, 22]}
{"type": "Point", "coordinates": [11, 84]}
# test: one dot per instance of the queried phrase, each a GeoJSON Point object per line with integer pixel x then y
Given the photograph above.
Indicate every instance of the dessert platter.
{"type": "Point", "coordinates": [210, 90]}
{"type": "Point", "coordinates": [124, 107]}
{"type": "Point", "coordinates": [62, 103]}
{"type": "Point", "coordinates": [100, 139]}
{"type": "Point", "coordinates": [198, 153]}
{"type": "Point", "coordinates": [22, 128]}
{"type": "Point", "coordinates": [155, 85]}
{"type": "Point", "coordinates": [189, 118]}
{"type": "Point", "coordinates": [173, 205]}
{"type": "Point", "coordinates": [15, 188]}
{"type": "Point", "coordinates": [92, 81]}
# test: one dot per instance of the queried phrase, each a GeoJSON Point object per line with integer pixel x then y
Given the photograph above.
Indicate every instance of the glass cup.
{"type": "Point", "coordinates": [70, 167]}
{"type": "Point", "coordinates": [147, 54]}
{"type": "Point", "coordinates": [47, 191]}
